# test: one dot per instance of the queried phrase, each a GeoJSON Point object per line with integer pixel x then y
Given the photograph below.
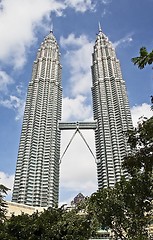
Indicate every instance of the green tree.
{"type": "Point", "coordinates": [52, 224]}
{"type": "Point", "coordinates": [140, 160]}
{"type": "Point", "coordinates": [58, 223]}
{"type": "Point", "coordinates": [3, 206]}
{"type": "Point", "coordinates": [127, 208]}
{"type": "Point", "coordinates": [18, 227]}
{"type": "Point", "coordinates": [144, 58]}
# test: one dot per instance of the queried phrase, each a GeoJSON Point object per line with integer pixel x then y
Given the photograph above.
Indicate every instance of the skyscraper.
{"type": "Point", "coordinates": [37, 171]}
{"type": "Point", "coordinates": [111, 111]}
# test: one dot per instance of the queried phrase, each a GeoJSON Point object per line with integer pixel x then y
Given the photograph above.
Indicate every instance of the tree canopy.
{"type": "Point", "coordinates": [127, 208]}
{"type": "Point", "coordinates": [51, 224]}
{"type": "Point", "coordinates": [144, 58]}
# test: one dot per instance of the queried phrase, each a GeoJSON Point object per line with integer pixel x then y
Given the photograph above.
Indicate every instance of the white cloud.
{"type": "Point", "coordinates": [81, 5]}
{"type": "Point", "coordinates": [81, 83]}
{"type": "Point", "coordinates": [67, 200]}
{"type": "Point", "coordinates": [19, 20]}
{"type": "Point", "coordinates": [20, 89]}
{"type": "Point", "coordinates": [79, 62]}
{"type": "Point", "coordinates": [75, 109]}
{"type": "Point", "coordinates": [5, 80]}
{"type": "Point", "coordinates": [104, 12]}
{"type": "Point", "coordinates": [7, 180]}
{"type": "Point", "coordinates": [14, 103]}
{"type": "Point", "coordinates": [71, 40]}
{"type": "Point", "coordinates": [80, 59]}
{"type": "Point", "coordinates": [125, 40]}
{"type": "Point", "coordinates": [78, 167]}
{"type": "Point", "coordinates": [139, 111]}
{"type": "Point", "coordinates": [105, 2]}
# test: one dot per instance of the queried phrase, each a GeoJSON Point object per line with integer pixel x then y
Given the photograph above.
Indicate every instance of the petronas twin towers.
{"type": "Point", "coordinates": [37, 171]}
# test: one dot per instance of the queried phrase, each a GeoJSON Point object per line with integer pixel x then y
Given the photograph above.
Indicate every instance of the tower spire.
{"type": "Point", "coordinates": [51, 29]}
{"type": "Point", "coordinates": [99, 27]}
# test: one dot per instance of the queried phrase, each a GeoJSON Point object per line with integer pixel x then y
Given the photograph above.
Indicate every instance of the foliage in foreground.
{"type": "Point", "coordinates": [127, 208]}
{"type": "Point", "coordinates": [144, 58]}
{"type": "Point", "coordinates": [52, 224]}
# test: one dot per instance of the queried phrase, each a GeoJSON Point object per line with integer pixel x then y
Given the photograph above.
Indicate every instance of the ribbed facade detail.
{"type": "Point", "coordinates": [37, 172]}
{"type": "Point", "coordinates": [111, 111]}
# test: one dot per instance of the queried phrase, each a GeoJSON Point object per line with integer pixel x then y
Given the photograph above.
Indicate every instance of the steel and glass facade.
{"type": "Point", "coordinates": [111, 111]}
{"type": "Point", "coordinates": [37, 171]}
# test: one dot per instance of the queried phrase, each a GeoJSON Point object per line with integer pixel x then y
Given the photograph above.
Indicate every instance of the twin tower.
{"type": "Point", "coordinates": [37, 171]}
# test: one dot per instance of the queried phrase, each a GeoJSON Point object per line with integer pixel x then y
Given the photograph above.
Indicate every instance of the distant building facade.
{"type": "Point", "coordinates": [16, 209]}
{"type": "Point", "coordinates": [78, 199]}
{"type": "Point", "coordinates": [37, 171]}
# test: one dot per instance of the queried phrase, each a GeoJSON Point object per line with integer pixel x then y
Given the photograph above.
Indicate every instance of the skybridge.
{"type": "Point", "coordinates": [77, 126]}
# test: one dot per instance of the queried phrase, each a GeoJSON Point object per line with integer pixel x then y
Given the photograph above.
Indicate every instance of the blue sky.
{"type": "Point", "coordinates": [23, 26]}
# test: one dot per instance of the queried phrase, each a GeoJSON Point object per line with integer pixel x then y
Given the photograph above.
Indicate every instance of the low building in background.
{"type": "Point", "coordinates": [18, 208]}
{"type": "Point", "coordinates": [79, 198]}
